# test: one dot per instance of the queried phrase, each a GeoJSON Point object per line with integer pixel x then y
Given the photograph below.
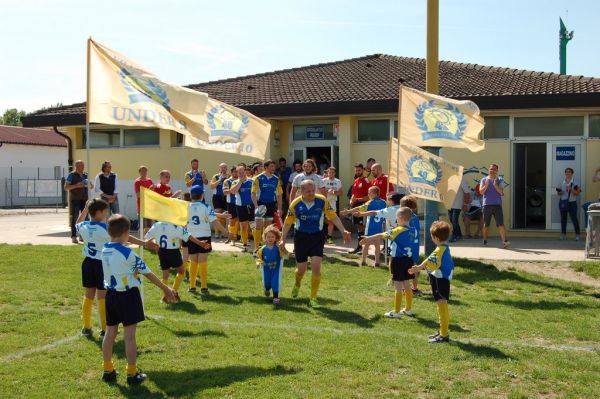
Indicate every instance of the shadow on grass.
{"type": "Point", "coordinates": [221, 299]}
{"type": "Point", "coordinates": [189, 333]}
{"type": "Point", "coordinates": [287, 304]}
{"type": "Point", "coordinates": [185, 306]}
{"type": "Point", "coordinates": [190, 382]}
{"type": "Point", "coordinates": [541, 305]}
{"type": "Point", "coordinates": [434, 325]}
{"type": "Point", "coordinates": [345, 316]}
{"type": "Point", "coordinates": [481, 350]}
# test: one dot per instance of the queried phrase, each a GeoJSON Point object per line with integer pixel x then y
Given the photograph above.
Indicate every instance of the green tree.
{"type": "Point", "coordinates": [12, 117]}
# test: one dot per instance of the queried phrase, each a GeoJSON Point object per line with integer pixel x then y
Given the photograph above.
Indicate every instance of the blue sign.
{"type": "Point", "coordinates": [565, 153]}
{"type": "Point", "coordinates": [315, 133]}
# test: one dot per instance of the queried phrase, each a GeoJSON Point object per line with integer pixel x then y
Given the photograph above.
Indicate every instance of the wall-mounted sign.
{"type": "Point", "coordinates": [565, 153]}
{"type": "Point", "coordinates": [315, 133]}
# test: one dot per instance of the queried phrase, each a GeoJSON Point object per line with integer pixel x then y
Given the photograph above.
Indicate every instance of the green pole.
{"type": "Point", "coordinates": [565, 36]}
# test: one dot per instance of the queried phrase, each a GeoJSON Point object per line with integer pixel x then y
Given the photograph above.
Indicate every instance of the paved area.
{"type": "Point", "coordinates": [51, 227]}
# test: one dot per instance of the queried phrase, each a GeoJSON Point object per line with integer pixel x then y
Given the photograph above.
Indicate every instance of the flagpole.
{"type": "Point", "coordinates": [432, 86]}
{"type": "Point", "coordinates": [87, 114]}
{"type": "Point", "coordinates": [141, 234]}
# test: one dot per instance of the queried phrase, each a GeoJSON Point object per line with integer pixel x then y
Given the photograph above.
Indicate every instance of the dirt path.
{"type": "Point", "coordinates": [558, 270]}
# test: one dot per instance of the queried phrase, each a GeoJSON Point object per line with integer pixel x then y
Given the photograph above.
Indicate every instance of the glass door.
{"type": "Point", "coordinates": [561, 156]}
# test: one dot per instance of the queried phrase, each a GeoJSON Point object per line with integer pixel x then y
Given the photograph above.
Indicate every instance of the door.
{"type": "Point", "coordinates": [530, 186]}
{"type": "Point", "coordinates": [562, 155]}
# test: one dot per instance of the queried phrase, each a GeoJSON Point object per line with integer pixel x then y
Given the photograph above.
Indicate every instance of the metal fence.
{"type": "Point", "coordinates": [32, 187]}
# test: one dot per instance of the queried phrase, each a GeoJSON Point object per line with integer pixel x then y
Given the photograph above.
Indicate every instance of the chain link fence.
{"type": "Point", "coordinates": [22, 187]}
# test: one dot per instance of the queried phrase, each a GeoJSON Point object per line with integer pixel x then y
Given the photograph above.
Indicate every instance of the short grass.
{"type": "Point", "coordinates": [589, 267]}
{"type": "Point", "coordinates": [515, 335]}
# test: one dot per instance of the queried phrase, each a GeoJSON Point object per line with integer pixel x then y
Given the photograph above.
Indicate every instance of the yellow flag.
{"type": "Point", "coordinates": [125, 94]}
{"type": "Point", "coordinates": [427, 176]}
{"type": "Point", "coordinates": [427, 120]}
{"type": "Point", "coordinates": [156, 207]}
{"type": "Point", "coordinates": [231, 129]}
{"type": "Point", "coordinates": [393, 163]}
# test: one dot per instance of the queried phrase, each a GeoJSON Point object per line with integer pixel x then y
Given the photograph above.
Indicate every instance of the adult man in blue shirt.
{"type": "Point", "coordinates": [492, 189]}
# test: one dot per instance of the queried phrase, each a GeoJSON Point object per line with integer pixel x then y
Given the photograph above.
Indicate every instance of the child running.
{"type": "Point", "coordinates": [123, 301]}
{"type": "Point", "coordinates": [270, 257]}
{"type": "Point", "coordinates": [440, 267]}
{"type": "Point", "coordinates": [402, 238]}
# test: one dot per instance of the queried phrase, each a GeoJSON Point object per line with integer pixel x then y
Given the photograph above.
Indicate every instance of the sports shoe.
{"type": "Point", "coordinates": [227, 241]}
{"type": "Point", "coordinates": [136, 379]}
{"type": "Point", "coordinates": [505, 244]}
{"type": "Point", "coordinates": [245, 248]}
{"type": "Point", "coordinates": [267, 293]}
{"type": "Point", "coordinates": [563, 237]}
{"type": "Point", "coordinates": [192, 290]}
{"type": "Point", "coordinates": [416, 291]}
{"type": "Point", "coordinates": [276, 301]}
{"type": "Point", "coordinates": [434, 335]}
{"type": "Point", "coordinates": [110, 376]}
{"type": "Point", "coordinates": [407, 312]}
{"type": "Point", "coordinates": [74, 240]}
{"type": "Point", "coordinates": [439, 339]}
{"type": "Point", "coordinates": [329, 241]}
{"type": "Point", "coordinates": [102, 333]}
{"type": "Point", "coordinates": [314, 303]}
{"type": "Point", "coordinates": [86, 332]}
{"type": "Point", "coordinates": [577, 238]}
{"type": "Point", "coordinates": [204, 291]}
{"type": "Point", "coordinates": [393, 315]}
{"type": "Point", "coordinates": [295, 291]}
{"type": "Point", "coordinates": [356, 250]}
{"type": "Point", "coordinates": [484, 242]}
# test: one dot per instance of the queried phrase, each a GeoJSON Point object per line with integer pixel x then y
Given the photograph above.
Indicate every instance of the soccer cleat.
{"type": "Point", "coordinates": [329, 241]}
{"type": "Point", "coordinates": [505, 244]}
{"type": "Point", "coordinates": [416, 291]}
{"type": "Point", "coordinates": [110, 376]}
{"type": "Point", "coordinates": [136, 379]}
{"type": "Point", "coordinates": [314, 303]}
{"type": "Point", "coordinates": [267, 293]}
{"type": "Point", "coordinates": [393, 315]}
{"type": "Point", "coordinates": [102, 333]}
{"type": "Point", "coordinates": [86, 332]}
{"type": "Point", "coordinates": [276, 301]}
{"type": "Point", "coordinates": [295, 291]}
{"type": "Point", "coordinates": [204, 291]}
{"type": "Point", "coordinates": [439, 340]}
{"type": "Point", "coordinates": [192, 290]}
{"type": "Point", "coordinates": [407, 312]}
{"type": "Point", "coordinates": [356, 250]}
{"type": "Point", "coordinates": [437, 334]}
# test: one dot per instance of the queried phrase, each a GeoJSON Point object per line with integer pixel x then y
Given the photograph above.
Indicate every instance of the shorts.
{"type": "Point", "coordinates": [245, 213]}
{"type": "Point", "coordinates": [358, 220]}
{"type": "Point", "coordinates": [474, 213]}
{"type": "Point", "coordinates": [124, 307]}
{"type": "Point", "coordinates": [308, 244]}
{"type": "Point", "coordinates": [219, 202]}
{"type": "Point", "coordinates": [169, 258]}
{"type": "Point", "coordinates": [232, 210]}
{"type": "Point", "coordinates": [399, 268]}
{"type": "Point", "coordinates": [194, 248]}
{"type": "Point", "coordinates": [271, 209]}
{"type": "Point", "coordinates": [440, 287]}
{"type": "Point", "coordinates": [92, 275]}
{"type": "Point", "coordinates": [493, 210]}
{"type": "Point", "coordinates": [184, 244]}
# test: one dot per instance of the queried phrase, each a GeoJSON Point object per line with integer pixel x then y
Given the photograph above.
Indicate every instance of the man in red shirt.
{"type": "Point", "coordinates": [142, 181]}
{"type": "Point", "coordinates": [163, 188]}
{"type": "Point", "coordinates": [360, 195]}
{"type": "Point", "coordinates": [382, 181]}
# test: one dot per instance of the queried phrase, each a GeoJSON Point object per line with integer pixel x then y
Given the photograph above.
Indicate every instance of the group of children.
{"type": "Point", "coordinates": [110, 270]}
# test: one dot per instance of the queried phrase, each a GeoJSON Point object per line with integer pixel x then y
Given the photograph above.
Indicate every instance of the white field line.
{"type": "Point", "coordinates": [20, 354]}
{"type": "Point", "coordinates": [359, 331]}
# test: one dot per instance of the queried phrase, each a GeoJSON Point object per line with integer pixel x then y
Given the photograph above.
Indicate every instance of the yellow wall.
{"type": "Point", "coordinates": [591, 188]}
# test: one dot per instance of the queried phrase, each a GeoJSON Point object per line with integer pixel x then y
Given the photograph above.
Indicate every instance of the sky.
{"type": "Point", "coordinates": [43, 45]}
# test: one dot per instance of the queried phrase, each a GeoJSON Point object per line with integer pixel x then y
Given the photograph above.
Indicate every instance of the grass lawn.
{"type": "Point", "coordinates": [589, 267]}
{"type": "Point", "coordinates": [514, 335]}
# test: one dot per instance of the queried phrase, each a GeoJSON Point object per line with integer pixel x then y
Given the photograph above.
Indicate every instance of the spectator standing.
{"type": "Point", "coordinates": [107, 185]}
{"type": "Point", "coordinates": [492, 189]}
{"type": "Point", "coordinates": [568, 192]}
{"type": "Point", "coordinates": [381, 180]}
{"type": "Point", "coordinates": [461, 202]}
{"type": "Point", "coordinates": [360, 195]}
{"type": "Point", "coordinates": [77, 184]}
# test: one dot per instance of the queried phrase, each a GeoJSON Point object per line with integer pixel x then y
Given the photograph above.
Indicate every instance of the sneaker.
{"type": "Point", "coordinates": [74, 240]}
{"type": "Point", "coordinates": [227, 241]}
{"type": "Point", "coordinates": [276, 301]}
{"type": "Point", "coordinates": [416, 291]}
{"type": "Point", "coordinates": [439, 339]}
{"type": "Point", "coordinates": [245, 248]}
{"type": "Point", "coordinates": [136, 379]}
{"type": "Point", "coordinates": [407, 312]}
{"type": "Point", "coordinates": [102, 333]}
{"type": "Point", "coordinates": [563, 237]}
{"type": "Point", "coordinates": [314, 303]}
{"type": "Point", "coordinates": [267, 293]}
{"type": "Point", "coordinates": [204, 291]}
{"type": "Point", "coordinates": [505, 244]}
{"type": "Point", "coordinates": [295, 291]}
{"type": "Point", "coordinates": [86, 332]}
{"type": "Point", "coordinates": [393, 315]}
{"type": "Point", "coordinates": [110, 376]}
{"type": "Point", "coordinates": [577, 238]}
{"type": "Point", "coordinates": [192, 290]}
{"type": "Point", "coordinates": [484, 242]}
{"type": "Point", "coordinates": [437, 334]}
{"type": "Point", "coordinates": [356, 250]}
{"type": "Point", "coordinates": [329, 241]}
{"type": "Point", "coordinates": [453, 239]}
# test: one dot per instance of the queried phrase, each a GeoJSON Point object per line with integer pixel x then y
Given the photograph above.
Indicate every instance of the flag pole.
{"type": "Point", "coordinates": [141, 235]}
{"type": "Point", "coordinates": [432, 86]}
{"type": "Point", "coordinates": [87, 114]}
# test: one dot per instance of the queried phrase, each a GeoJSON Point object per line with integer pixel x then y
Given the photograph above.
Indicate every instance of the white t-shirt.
{"type": "Point", "coordinates": [389, 213]}
{"type": "Point", "coordinates": [335, 185]}
{"type": "Point", "coordinates": [167, 235]}
{"type": "Point", "coordinates": [460, 194]}
{"type": "Point", "coordinates": [94, 235]}
{"type": "Point", "coordinates": [315, 178]}
{"type": "Point", "coordinates": [199, 219]}
{"type": "Point", "coordinates": [119, 264]}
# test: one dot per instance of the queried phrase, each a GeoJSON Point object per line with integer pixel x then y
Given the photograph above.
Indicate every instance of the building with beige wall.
{"type": "Point", "coordinates": [346, 112]}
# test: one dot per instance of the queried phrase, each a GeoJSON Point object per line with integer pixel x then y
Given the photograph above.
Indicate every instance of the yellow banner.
{"type": "Point", "coordinates": [231, 129]}
{"type": "Point", "coordinates": [425, 175]}
{"type": "Point", "coordinates": [125, 94]}
{"type": "Point", "coordinates": [427, 120]}
{"type": "Point", "coordinates": [156, 207]}
{"type": "Point", "coordinates": [393, 163]}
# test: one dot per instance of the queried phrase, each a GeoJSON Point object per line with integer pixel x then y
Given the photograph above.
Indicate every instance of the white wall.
{"type": "Point", "coordinates": [18, 155]}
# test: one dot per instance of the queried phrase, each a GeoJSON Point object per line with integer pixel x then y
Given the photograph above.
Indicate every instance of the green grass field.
{"type": "Point", "coordinates": [514, 335]}
{"type": "Point", "coordinates": [589, 267]}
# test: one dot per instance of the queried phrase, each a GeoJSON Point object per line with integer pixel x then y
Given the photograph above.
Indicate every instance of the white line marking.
{"type": "Point", "coordinates": [26, 352]}
{"type": "Point", "coordinates": [510, 344]}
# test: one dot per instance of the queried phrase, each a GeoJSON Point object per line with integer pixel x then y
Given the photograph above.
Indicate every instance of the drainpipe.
{"type": "Point", "coordinates": [69, 147]}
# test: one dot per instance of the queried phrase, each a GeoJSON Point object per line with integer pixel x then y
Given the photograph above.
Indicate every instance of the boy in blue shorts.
{"type": "Point", "coordinates": [270, 257]}
{"type": "Point", "coordinates": [411, 202]}
{"type": "Point", "coordinates": [374, 223]}
{"type": "Point", "coordinates": [440, 268]}
{"type": "Point", "coordinates": [402, 238]}
{"type": "Point", "coordinates": [169, 238]}
{"type": "Point", "coordinates": [123, 301]}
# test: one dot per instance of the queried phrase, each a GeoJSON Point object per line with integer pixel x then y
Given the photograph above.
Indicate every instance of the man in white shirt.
{"type": "Point", "coordinates": [461, 203]}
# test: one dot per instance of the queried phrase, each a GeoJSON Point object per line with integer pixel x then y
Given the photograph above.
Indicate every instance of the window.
{"type": "Point", "coordinates": [141, 137]}
{"type": "Point", "coordinates": [102, 138]}
{"type": "Point", "coordinates": [313, 132]}
{"type": "Point", "coordinates": [395, 129]}
{"type": "Point", "coordinates": [595, 126]}
{"type": "Point", "coordinates": [496, 127]}
{"type": "Point", "coordinates": [549, 126]}
{"type": "Point", "coordinates": [177, 139]}
{"type": "Point", "coordinates": [373, 130]}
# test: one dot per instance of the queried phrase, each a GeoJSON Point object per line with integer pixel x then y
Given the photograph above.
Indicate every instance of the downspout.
{"type": "Point", "coordinates": [69, 147]}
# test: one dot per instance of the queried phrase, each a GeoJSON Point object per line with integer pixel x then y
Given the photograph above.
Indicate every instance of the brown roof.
{"type": "Point", "coordinates": [370, 84]}
{"type": "Point", "coordinates": [29, 136]}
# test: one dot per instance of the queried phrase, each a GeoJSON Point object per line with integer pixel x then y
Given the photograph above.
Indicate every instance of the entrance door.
{"type": "Point", "coordinates": [530, 186]}
{"type": "Point", "coordinates": [562, 156]}
{"type": "Point", "coordinates": [324, 156]}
